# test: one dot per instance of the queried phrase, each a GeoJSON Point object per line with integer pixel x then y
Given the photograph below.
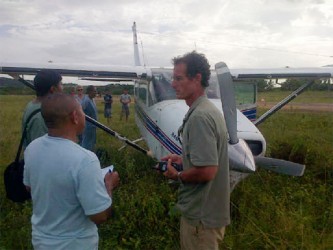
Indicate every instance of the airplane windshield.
{"type": "Point", "coordinates": [162, 79]}
{"type": "Point", "coordinates": [162, 85]}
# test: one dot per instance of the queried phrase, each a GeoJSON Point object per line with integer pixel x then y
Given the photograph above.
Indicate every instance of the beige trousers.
{"type": "Point", "coordinates": [198, 237]}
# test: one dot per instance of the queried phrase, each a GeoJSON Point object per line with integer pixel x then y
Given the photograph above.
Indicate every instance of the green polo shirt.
{"type": "Point", "coordinates": [205, 142]}
{"type": "Point", "coordinates": [36, 127]}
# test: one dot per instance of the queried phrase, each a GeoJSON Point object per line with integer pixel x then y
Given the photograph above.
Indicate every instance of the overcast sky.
{"type": "Point", "coordinates": [242, 33]}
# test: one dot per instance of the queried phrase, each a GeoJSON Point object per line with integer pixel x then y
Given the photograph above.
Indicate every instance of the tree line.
{"type": "Point", "coordinates": [13, 87]}
{"type": "Point", "coordinates": [293, 84]}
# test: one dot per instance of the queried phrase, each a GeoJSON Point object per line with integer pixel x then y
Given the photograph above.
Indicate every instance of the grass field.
{"type": "Point", "coordinates": [306, 97]}
{"type": "Point", "coordinates": [269, 211]}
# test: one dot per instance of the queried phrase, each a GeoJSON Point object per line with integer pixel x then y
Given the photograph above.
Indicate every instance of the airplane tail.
{"type": "Point", "coordinates": [136, 48]}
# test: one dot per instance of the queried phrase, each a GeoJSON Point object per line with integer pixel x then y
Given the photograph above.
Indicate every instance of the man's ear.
{"type": "Point", "coordinates": [198, 77]}
{"type": "Point", "coordinates": [52, 89]}
{"type": "Point", "coordinates": [74, 117]}
{"type": "Point", "coordinates": [56, 88]}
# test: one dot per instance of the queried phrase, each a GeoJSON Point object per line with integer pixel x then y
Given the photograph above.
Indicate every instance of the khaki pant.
{"type": "Point", "coordinates": [198, 237]}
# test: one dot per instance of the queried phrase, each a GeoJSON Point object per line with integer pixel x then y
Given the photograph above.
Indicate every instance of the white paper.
{"type": "Point", "coordinates": [107, 169]}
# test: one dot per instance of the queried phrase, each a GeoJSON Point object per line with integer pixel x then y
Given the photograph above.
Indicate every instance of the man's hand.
{"type": "Point", "coordinates": [171, 172]}
{"type": "Point", "coordinates": [174, 158]}
{"type": "Point", "coordinates": [111, 181]}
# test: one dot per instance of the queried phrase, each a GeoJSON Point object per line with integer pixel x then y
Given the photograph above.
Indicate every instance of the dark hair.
{"type": "Point", "coordinates": [90, 88]}
{"type": "Point", "coordinates": [44, 80]}
{"type": "Point", "coordinates": [195, 64]}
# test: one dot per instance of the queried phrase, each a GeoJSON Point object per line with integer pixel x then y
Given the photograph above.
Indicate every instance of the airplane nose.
{"type": "Point", "coordinates": [241, 158]}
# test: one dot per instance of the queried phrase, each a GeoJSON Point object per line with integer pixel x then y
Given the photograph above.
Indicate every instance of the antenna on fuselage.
{"type": "Point", "coordinates": [136, 48]}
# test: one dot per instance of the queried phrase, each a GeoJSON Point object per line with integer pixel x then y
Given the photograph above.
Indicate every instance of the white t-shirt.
{"type": "Point", "coordinates": [67, 186]}
{"type": "Point", "coordinates": [125, 98]}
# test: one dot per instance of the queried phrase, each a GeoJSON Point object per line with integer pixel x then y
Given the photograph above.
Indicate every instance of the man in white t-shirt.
{"type": "Point", "coordinates": [69, 193]}
{"type": "Point", "coordinates": [125, 100]}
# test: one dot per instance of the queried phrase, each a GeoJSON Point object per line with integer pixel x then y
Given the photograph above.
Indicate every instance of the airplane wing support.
{"type": "Point", "coordinates": [101, 126]}
{"type": "Point", "coordinates": [135, 141]}
{"type": "Point", "coordinates": [286, 100]}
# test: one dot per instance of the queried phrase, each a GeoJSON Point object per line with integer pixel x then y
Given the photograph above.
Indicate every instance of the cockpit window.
{"type": "Point", "coordinates": [162, 79]}
{"type": "Point", "coordinates": [162, 85]}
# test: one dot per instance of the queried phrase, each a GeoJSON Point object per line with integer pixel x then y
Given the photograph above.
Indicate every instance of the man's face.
{"type": "Point", "coordinates": [183, 85]}
{"type": "Point", "coordinates": [79, 90]}
{"type": "Point", "coordinates": [92, 93]}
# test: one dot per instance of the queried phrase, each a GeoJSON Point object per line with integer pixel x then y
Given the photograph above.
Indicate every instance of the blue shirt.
{"type": "Point", "coordinates": [67, 185]}
{"type": "Point", "coordinates": [89, 108]}
{"type": "Point", "coordinates": [108, 101]}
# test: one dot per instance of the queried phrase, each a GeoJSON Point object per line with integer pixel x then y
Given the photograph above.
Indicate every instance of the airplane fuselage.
{"type": "Point", "coordinates": [159, 115]}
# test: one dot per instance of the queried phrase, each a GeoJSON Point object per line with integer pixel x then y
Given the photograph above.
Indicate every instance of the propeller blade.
{"type": "Point", "coordinates": [241, 158]}
{"type": "Point", "coordinates": [228, 100]}
{"type": "Point", "coordinates": [280, 166]}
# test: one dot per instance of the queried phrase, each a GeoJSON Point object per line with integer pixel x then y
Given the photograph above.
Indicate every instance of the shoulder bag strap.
{"type": "Point", "coordinates": [24, 134]}
{"type": "Point", "coordinates": [181, 128]}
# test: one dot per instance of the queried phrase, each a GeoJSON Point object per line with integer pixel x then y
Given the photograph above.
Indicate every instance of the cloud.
{"type": "Point", "coordinates": [258, 33]}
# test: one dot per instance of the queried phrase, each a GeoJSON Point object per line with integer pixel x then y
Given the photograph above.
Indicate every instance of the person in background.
{"type": "Point", "coordinates": [90, 109]}
{"type": "Point", "coordinates": [79, 93]}
{"type": "Point", "coordinates": [108, 106]}
{"type": "Point", "coordinates": [125, 100]}
{"type": "Point", "coordinates": [45, 82]}
{"type": "Point", "coordinates": [69, 193]}
{"type": "Point", "coordinates": [72, 93]}
{"type": "Point", "coordinates": [79, 97]}
{"type": "Point", "coordinates": [204, 192]}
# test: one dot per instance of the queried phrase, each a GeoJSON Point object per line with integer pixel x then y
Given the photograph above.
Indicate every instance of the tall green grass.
{"type": "Point", "coordinates": [306, 97]}
{"type": "Point", "coordinates": [269, 211]}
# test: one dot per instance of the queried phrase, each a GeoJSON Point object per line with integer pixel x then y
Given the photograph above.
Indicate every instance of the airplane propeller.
{"type": "Point", "coordinates": [241, 157]}
{"type": "Point", "coordinates": [280, 166]}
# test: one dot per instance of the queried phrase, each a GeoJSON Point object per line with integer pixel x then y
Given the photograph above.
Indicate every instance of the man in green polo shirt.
{"type": "Point", "coordinates": [204, 193]}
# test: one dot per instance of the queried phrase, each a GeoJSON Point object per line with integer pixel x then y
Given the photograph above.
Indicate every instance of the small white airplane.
{"type": "Point", "coordinates": [159, 113]}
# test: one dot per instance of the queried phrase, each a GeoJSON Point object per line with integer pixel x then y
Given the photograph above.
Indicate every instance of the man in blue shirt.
{"type": "Point", "coordinates": [108, 106]}
{"type": "Point", "coordinates": [69, 193]}
{"type": "Point", "coordinates": [90, 109]}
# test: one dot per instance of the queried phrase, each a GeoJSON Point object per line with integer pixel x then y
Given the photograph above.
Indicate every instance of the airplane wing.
{"type": "Point", "coordinates": [320, 72]}
{"type": "Point", "coordinates": [105, 79]}
{"type": "Point", "coordinates": [311, 74]}
{"type": "Point", "coordinates": [109, 72]}
{"type": "Point", "coordinates": [123, 73]}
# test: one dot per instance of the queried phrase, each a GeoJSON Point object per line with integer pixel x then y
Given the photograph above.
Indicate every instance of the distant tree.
{"type": "Point", "coordinates": [116, 89]}
{"type": "Point", "coordinates": [322, 85]}
{"type": "Point", "coordinates": [264, 85]}
{"type": "Point", "coordinates": [292, 84]}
